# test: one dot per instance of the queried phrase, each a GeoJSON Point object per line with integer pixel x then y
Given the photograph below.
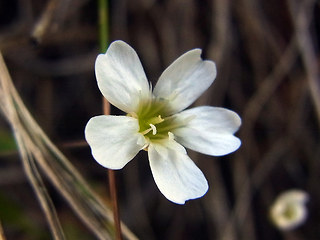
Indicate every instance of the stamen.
{"type": "Point", "coordinates": [154, 129]}
{"type": "Point", "coordinates": [171, 136]}
{"type": "Point", "coordinates": [145, 147]}
{"type": "Point", "coordinates": [146, 131]}
{"type": "Point", "coordinates": [156, 120]}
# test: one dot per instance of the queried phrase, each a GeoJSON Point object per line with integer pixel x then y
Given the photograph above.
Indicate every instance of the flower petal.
{"type": "Point", "coordinates": [208, 130]}
{"type": "Point", "coordinates": [121, 78]}
{"type": "Point", "coordinates": [114, 140]}
{"type": "Point", "coordinates": [185, 80]}
{"type": "Point", "coordinates": [175, 174]}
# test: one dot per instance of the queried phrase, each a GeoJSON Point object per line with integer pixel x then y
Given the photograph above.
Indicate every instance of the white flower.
{"type": "Point", "coordinates": [289, 209]}
{"type": "Point", "coordinates": [155, 120]}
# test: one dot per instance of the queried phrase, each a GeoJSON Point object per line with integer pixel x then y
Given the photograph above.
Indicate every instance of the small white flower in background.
{"type": "Point", "coordinates": [156, 122]}
{"type": "Point", "coordinates": [289, 209]}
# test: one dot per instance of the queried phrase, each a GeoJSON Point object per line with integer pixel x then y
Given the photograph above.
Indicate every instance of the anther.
{"type": "Point", "coordinates": [156, 120]}
{"type": "Point", "coordinates": [154, 129]}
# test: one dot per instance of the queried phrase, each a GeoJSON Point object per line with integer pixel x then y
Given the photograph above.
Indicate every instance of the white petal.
{"type": "Point", "coordinates": [114, 140]}
{"type": "Point", "coordinates": [121, 78]}
{"type": "Point", "coordinates": [175, 174]}
{"type": "Point", "coordinates": [289, 210]}
{"type": "Point", "coordinates": [208, 130]}
{"type": "Point", "coordinates": [294, 195]}
{"type": "Point", "coordinates": [185, 80]}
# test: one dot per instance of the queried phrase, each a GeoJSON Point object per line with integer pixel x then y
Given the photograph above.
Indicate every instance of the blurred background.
{"type": "Point", "coordinates": [266, 53]}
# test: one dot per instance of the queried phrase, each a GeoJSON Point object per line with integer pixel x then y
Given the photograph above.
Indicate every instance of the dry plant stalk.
{"type": "Point", "coordinates": [301, 18]}
{"type": "Point", "coordinates": [42, 25]}
{"type": "Point", "coordinates": [36, 149]}
{"type": "Point", "coordinates": [2, 237]}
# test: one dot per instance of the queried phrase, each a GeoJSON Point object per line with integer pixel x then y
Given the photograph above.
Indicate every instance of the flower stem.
{"type": "Point", "coordinates": [113, 193]}
{"type": "Point", "coordinates": [103, 40]}
{"type": "Point", "coordinates": [113, 187]}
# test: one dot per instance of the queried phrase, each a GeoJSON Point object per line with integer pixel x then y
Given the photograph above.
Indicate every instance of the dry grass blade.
{"type": "Point", "coordinates": [301, 17]}
{"type": "Point", "coordinates": [28, 155]}
{"type": "Point", "coordinates": [2, 237]}
{"type": "Point", "coordinates": [28, 152]}
{"type": "Point", "coordinates": [54, 164]}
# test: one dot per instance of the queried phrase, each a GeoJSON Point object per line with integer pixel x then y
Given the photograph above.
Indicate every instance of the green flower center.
{"type": "Point", "coordinates": [154, 120]}
{"type": "Point", "coordinates": [290, 211]}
